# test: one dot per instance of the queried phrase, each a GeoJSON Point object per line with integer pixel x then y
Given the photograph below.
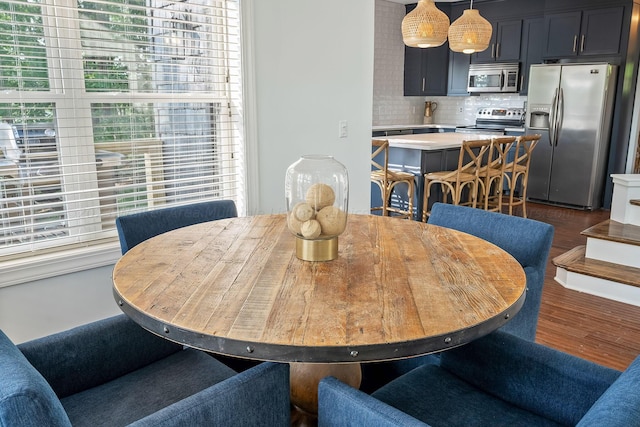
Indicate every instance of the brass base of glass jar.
{"type": "Point", "coordinates": [317, 250]}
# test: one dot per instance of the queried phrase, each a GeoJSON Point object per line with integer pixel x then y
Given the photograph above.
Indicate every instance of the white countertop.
{"type": "Point", "coordinates": [433, 141]}
{"type": "Point", "coordinates": [401, 127]}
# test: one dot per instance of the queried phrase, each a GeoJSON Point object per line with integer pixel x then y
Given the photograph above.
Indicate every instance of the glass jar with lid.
{"type": "Point", "coordinates": [317, 196]}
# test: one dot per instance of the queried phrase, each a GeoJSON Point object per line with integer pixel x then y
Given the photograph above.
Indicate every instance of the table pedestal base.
{"type": "Point", "coordinates": [305, 378]}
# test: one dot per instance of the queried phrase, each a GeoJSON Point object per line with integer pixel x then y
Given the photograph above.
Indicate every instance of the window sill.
{"type": "Point", "coordinates": [44, 266]}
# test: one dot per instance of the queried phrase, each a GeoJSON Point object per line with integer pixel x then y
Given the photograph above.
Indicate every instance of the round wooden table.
{"type": "Point", "coordinates": [398, 288]}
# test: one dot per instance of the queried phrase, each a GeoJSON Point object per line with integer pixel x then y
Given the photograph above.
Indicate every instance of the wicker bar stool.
{"type": "Point", "coordinates": [470, 160]}
{"type": "Point", "coordinates": [517, 172]}
{"type": "Point", "coordinates": [388, 180]}
{"type": "Point", "coordinates": [492, 174]}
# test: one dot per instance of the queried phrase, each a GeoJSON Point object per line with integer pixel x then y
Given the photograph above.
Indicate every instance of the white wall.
{"type": "Point", "coordinates": [313, 66]}
{"type": "Point", "coordinates": [42, 307]}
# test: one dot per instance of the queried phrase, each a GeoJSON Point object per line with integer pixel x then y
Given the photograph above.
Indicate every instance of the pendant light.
{"type": "Point", "coordinates": [470, 32]}
{"type": "Point", "coordinates": [425, 26]}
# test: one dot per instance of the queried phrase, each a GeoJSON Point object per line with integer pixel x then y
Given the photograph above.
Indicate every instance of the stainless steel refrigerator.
{"type": "Point", "coordinates": [570, 105]}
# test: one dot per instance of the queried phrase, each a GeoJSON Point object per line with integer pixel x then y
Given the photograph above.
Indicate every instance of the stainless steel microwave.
{"type": "Point", "coordinates": [493, 78]}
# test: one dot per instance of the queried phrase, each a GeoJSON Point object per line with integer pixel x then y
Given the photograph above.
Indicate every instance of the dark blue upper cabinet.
{"type": "Point", "coordinates": [505, 43]}
{"type": "Point", "coordinates": [425, 70]}
{"type": "Point", "coordinates": [531, 50]}
{"type": "Point", "coordinates": [458, 73]}
{"type": "Point", "coordinates": [586, 32]}
{"type": "Point", "coordinates": [525, 31]}
{"type": "Point", "coordinates": [601, 31]}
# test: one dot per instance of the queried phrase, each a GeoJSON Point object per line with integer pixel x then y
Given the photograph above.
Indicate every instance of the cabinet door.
{"type": "Point", "coordinates": [489, 54]}
{"type": "Point", "coordinates": [562, 32]}
{"type": "Point", "coordinates": [436, 70]}
{"type": "Point", "coordinates": [508, 36]}
{"type": "Point", "coordinates": [505, 43]}
{"type": "Point", "coordinates": [413, 71]}
{"type": "Point", "coordinates": [458, 73]}
{"type": "Point", "coordinates": [601, 31]}
{"type": "Point", "coordinates": [532, 45]}
{"type": "Point", "coordinates": [425, 71]}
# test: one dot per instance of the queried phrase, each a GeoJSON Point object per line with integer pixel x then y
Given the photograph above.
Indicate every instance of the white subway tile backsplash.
{"type": "Point", "coordinates": [390, 106]}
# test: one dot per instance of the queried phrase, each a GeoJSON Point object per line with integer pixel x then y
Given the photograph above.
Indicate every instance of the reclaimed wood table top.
{"type": "Point", "coordinates": [398, 288]}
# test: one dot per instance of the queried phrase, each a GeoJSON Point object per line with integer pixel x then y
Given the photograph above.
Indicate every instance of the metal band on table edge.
{"type": "Point", "coordinates": [318, 354]}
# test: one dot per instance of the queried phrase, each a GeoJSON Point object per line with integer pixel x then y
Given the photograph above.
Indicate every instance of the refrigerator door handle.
{"type": "Point", "coordinates": [560, 115]}
{"type": "Point", "coordinates": [552, 119]}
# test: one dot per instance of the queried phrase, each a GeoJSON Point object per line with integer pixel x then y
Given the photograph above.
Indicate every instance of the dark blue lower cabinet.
{"type": "Point", "coordinates": [417, 162]}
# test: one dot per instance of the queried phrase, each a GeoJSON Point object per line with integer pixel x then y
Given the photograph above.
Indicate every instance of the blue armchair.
{"type": "Point", "coordinates": [114, 373]}
{"type": "Point", "coordinates": [136, 228]}
{"type": "Point", "coordinates": [528, 241]}
{"type": "Point", "coordinates": [498, 380]}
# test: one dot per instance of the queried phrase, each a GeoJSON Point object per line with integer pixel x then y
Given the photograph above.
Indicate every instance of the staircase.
{"type": "Point", "coordinates": [609, 264]}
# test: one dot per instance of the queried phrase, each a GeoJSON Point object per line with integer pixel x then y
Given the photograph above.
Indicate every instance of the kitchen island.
{"type": "Point", "coordinates": [419, 154]}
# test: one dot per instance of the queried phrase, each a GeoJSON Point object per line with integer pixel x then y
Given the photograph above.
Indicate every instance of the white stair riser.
{"type": "Point", "coordinates": [614, 252]}
{"type": "Point", "coordinates": [599, 287]}
{"type": "Point", "coordinates": [630, 214]}
{"type": "Point", "coordinates": [626, 187]}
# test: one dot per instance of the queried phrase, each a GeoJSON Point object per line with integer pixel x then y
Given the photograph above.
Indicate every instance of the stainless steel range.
{"type": "Point", "coordinates": [494, 121]}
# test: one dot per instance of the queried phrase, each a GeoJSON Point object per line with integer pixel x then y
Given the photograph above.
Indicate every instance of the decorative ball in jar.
{"type": "Point", "coordinates": [317, 194]}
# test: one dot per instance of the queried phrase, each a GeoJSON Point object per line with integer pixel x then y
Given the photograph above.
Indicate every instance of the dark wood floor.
{"type": "Point", "coordinates": [598, 329]}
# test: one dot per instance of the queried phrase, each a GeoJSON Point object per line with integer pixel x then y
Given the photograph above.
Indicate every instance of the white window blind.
{"type": "Point", "coordinates": [109, 107]}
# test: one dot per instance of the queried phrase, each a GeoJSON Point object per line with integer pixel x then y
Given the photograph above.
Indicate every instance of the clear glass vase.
{"type": "Point", "coordinates": [317, 196]}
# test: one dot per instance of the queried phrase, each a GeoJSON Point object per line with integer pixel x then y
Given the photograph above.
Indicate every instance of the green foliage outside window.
{"type": "Point", "coordinates": [23, 56]}
{"type": "Point", "coordinates": [23, 65]}
{"type": "Point", "coordinates": [122, 122]}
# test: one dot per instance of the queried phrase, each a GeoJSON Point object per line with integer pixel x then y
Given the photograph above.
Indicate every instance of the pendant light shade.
{"type": "Point", "coordinates": [425, 26]}
{"type": "Point", "coordinates": [470, 33]}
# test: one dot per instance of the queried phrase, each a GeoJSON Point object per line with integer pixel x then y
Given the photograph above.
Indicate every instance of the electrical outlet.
{"type": "Point", "coordinates": [343, 129]}
{"type": "Point", "coordinates": [460, 110]}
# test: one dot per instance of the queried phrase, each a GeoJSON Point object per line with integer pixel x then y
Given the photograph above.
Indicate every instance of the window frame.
{"type": "Point", "coordinates": [103, 250]}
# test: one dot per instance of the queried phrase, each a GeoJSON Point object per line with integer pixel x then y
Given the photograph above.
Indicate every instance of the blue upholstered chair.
{"type": "Point", "coordinates": [528, 241]}
{"type": "Point", "coordinates": [136, 228]}
{"type": "Point", "coordinates": [497, 380]}
{"type": "Point", "coordinates": [114, 373]}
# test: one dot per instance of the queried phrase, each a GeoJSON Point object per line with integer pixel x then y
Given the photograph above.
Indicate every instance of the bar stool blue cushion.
{"type": "Point", "coordinates": [136, 228]}
{"type": "Point", "coordinates": [114, 373]}
{"type": "Point", "coordinates": [498, 380]}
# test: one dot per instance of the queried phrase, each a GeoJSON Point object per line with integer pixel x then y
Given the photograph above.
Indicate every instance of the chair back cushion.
{"type": "Point", "coordinates": [26, 399]}
{"type": "Point", "coordinates": [619, 406]}
{"type": "Point", "coordinates": [528, 241]}
{"type": "Point", "coordinates": [538, 379]}
{"type": "Point", "coordinates": [136, 228]}
{"type": "Point", "coordinates": [96, 353]}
